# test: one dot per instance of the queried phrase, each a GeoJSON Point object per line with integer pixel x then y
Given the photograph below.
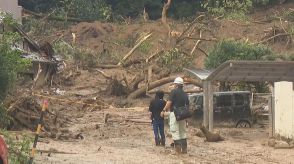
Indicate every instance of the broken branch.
{"type": "Point", "coordinates": [197, 43]}
{"type": "Point", "coordinates": [134, 48]}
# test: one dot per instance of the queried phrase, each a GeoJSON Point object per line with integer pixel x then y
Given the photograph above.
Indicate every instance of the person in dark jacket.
{"type": "Point", "coordinates": [156, 106]}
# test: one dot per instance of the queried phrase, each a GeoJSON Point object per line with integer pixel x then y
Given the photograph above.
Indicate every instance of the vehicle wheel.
{"type": "Point", "coordinates": [243, 124]}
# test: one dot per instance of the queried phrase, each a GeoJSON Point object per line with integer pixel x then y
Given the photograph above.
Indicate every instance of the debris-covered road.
{"type": "Point", "coordinates": [122, 141]}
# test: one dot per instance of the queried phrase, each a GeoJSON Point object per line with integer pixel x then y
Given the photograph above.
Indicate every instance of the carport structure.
{"type": "Point", "coordinates": [245, 71]}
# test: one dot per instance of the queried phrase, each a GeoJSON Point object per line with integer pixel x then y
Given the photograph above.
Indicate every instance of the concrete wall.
{"type": "Point", "coordinates": [284, 109]}
{"type": "Point", "coordinates": [11, 6]}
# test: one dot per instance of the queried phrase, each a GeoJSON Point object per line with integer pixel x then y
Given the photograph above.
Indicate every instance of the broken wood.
{"type": "Point", "coordinates": [37, 76]}
{"type": "Point", "coordinates": [104, 74]}
{"type": "Point", "coordinates": [201, 50]}
{"type": "Point", "coordinates": [202, 39]}
{"type": "Point", "coordinates": [134, 48]}
{"type": "Point", "coordinates": [54, 151]}
{"type": "Point", "coordinates": [197, 43]}
{"type": "Point", "coordinates": [273, 37]}
{"type": "Point", "coordinates": [106, 117]}
{"type": "Point", "coordinates": [180, 38]}
{"type": "Point", "coordinates": [108, 66]}
{"type": "Point", "coordinates": [139, 120]}
{"type": "Point", "coordinates": [153, 56]}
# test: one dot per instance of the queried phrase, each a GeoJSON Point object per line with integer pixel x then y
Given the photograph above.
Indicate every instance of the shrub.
{"type": "Point", "coordinates": [19, 148]}
{"type": "Point", "coordinates": [231, 9]}
{"type": "Point", "coordinates": [235, 50]}
{"type": "Point", "coordinates": [10, 60]}
{"type": "Point", "coordinates": [239, 50]}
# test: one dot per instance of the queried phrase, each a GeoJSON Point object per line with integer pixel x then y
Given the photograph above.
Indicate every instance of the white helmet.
{"type": "Point", "coordinates": [179, 80]}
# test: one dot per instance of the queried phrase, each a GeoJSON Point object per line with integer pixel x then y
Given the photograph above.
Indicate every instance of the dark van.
{"type": "Point", "coordinates": [229, 107]}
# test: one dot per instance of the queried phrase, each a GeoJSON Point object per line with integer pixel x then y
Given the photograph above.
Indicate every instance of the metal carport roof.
{"type": "Point", "coordinates": [271, 71]}
{"type": "Point", "coordinates": [261, 71]}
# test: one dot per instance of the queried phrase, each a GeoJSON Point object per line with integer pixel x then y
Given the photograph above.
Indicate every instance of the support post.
{"type": "Point", "coordinates": [270, 116]}
{"type": "Point", "coordinates": [207, 105]}
{"type": "Point", "coordinates": [210, 106]}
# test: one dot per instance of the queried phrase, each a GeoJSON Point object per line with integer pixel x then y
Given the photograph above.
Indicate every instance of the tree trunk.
{"type": "Point", "coordinates": [164, 15]}
{"type": "Point", "coordinates": [139, 92]}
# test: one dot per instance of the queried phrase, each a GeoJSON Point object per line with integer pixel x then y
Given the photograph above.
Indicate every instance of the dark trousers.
{"type": "Point", "coordinates": [158, 128]}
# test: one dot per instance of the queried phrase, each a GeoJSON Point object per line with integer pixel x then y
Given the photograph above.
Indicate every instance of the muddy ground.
{"type": "Point", "coordinates": [120, 141]}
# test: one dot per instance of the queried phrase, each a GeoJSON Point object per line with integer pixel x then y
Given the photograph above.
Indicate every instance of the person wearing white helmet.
{"type": "Point", "coordinates": [177, 98]}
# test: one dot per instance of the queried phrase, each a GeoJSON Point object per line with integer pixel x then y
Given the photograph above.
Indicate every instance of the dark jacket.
{"type": "Point", "coordinates": [178, 98]}
{"type": "Point", "coordinates": [156, 106]}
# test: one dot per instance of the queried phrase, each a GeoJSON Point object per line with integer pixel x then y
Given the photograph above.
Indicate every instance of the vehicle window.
{"type": "Point", "coordinates": [239, 99]}
{"type": "Point", "coordinates": [199, 100]}
{"type": "Point", "coordinates": [224, 100]}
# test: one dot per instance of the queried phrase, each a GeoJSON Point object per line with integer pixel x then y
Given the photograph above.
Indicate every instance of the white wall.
{"type": "Point", "coordinates": [11, 6]}
{"type": "Point", "coordinates": [284, 109]}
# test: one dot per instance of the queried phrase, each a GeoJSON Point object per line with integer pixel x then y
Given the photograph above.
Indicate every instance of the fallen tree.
{"type": "Point", "coordinates": [141, 91]}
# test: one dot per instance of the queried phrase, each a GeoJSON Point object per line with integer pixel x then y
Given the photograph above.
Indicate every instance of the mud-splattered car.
{"type": "Point", "coordinates": [229, 107]}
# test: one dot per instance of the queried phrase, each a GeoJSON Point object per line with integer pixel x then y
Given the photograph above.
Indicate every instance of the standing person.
{"type": "Point", "coordinates": [177, 98]}
{"type": "Point", "coordinates": [156, 106]}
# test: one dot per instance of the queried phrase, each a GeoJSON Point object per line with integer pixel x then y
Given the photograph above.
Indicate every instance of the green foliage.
{"type": "Point", "coordinates": [289, 15]}
{"type": "Point", "coordinates": [85, 9]}
{"type": "Point", "coordinates": [256, 87]}
{"type": "Point", "coordinates": [10, 60]}
{"type": "Point", "coordinates": [259, 3]}
{"type": "Point", "coordinates": [235, 50]}
{"type": "Point", "coordinates": [238, 50]}
{"type": "Point", "coordinates": [145, 47]}
{"type": "Point", "coordinates": [4, 118]}
{"type": "Point", "coordinates": [43, 28]}
{"type": "Point", "coordinates": [175, 60]}
{"type": "Point", "coordinates": [231, 9]}
{"type": "Point", "coordinates": [19, 149]}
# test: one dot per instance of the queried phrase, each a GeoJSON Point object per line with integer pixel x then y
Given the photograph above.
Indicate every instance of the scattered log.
{"type": "Point", "coordinates": [202, 39]}
{"type": "Point", "coordinates": [210, 136]}
{"type": "Point", "coordinates": [104, 74]}
{"type": "Point", "coordinates": [139, 120]}
{"type": "Point", "coordinates": [54, 151]}
{"type": "Point", "coordinates": [108, 66]}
